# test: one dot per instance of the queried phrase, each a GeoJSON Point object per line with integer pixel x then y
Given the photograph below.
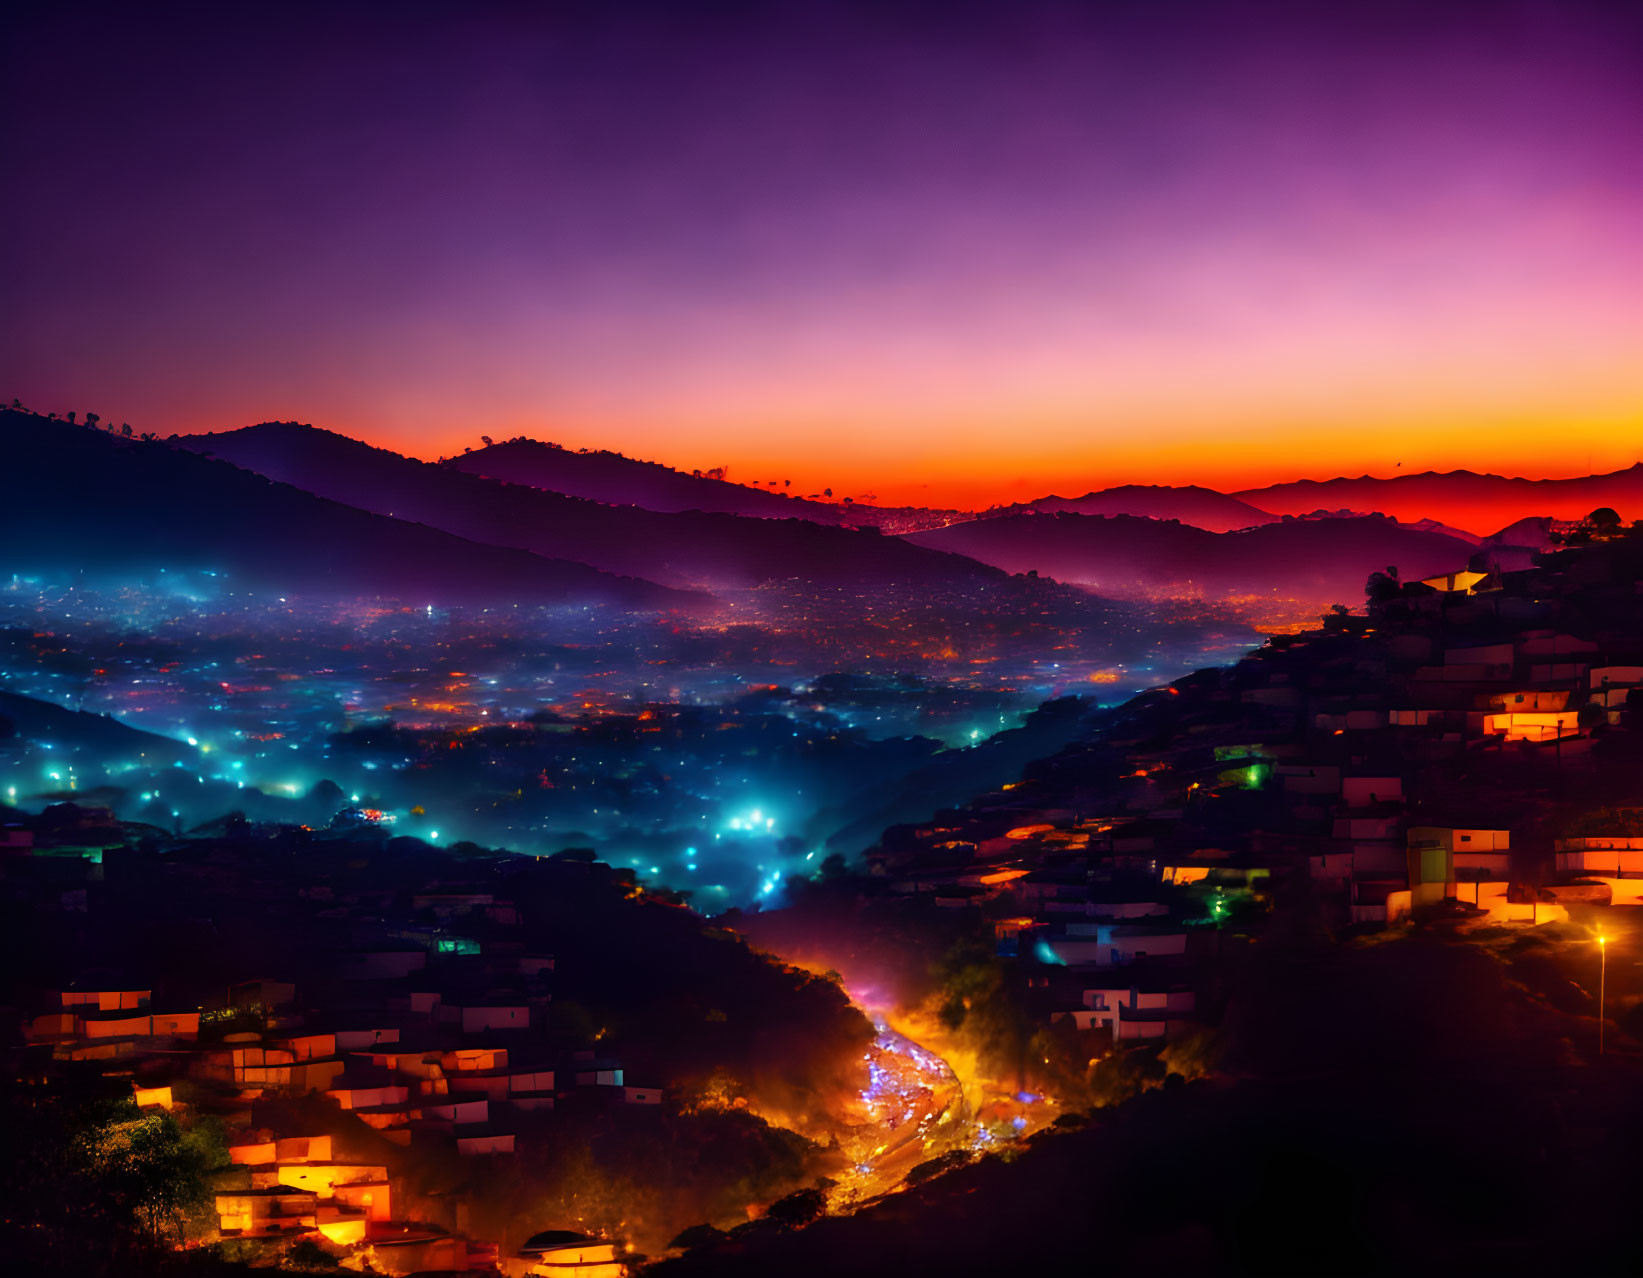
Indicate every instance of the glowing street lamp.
{"type": "Point", "coordinates": [1602, 976]}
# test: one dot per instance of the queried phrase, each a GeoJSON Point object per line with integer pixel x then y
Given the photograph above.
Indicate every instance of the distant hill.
{"type": "Point", "coordinates": [624, 481]}
{"type": "Point", "coordinates": [1524, 532]}
{"type": "Point", "coordinates": [1461, 498]}
{"type": "Point", "coordinates": [687, 548]}
{"type": "Point", "coordinates": [1319, 559]}
{"type": "Point", "coordinates": [1201, 507]}
{"type": "Point", "coordinates": [71, 730]}
{"type": "Point", "coordinates": [76, 499]}
{"type": "Point", "coordinates": [1433, 525]}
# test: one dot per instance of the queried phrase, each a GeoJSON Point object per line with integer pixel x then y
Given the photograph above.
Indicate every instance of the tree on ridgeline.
{"type": "Point", "coordinates": [1605, 521]}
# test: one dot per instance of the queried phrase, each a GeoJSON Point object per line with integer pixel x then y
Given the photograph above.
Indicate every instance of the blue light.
{"type": "Point", "coordinates": [1044, 954]}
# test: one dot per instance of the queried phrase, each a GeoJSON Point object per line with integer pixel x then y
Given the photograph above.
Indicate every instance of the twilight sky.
{"type": "Point", "coordinates": [940, 252]}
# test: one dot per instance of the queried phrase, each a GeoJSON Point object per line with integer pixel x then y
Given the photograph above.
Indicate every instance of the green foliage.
{"type": "Point", "coordinates": [147, 1169]}
{"type": "Point", "coordinates": [639, 1176]}
{"type": "Point", "coordinates": [308, 1256]}
{"type": "Point", "coordinates": [981, 1003]}
{"type": "Point", "coordinates": [99, 1187]}
{"type": "Point", "coordinates": [217, 1023]}
{"type": "Point", "coordinates": [1126, 1073]}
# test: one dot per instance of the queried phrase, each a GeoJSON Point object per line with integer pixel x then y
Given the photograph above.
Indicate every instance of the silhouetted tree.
{"type": "Point", "coordinates": [486, 440]}
{"type": "Point", "coordinates": [798, 1209]}
{"type": "Point", "coordinates": [1631, 714]}
{"type": "Point", "coordinates": [698, 1236]}
{"type": "Point", "coordinates": [92, 419]}
{"type": "Point", "coordinates": [1605, 519]}
{"type": "Point", "coordinates": [125, 429]}
{"type": "Point", "coordinates": [1381, 586]}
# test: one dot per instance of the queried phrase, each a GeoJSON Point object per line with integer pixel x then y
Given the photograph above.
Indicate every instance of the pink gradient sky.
{"type": "Point", "coordinates": [941, 254]}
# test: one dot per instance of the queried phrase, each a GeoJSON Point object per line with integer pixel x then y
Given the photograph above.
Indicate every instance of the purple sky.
{"type": "Point", "coordinates": [948, 252]}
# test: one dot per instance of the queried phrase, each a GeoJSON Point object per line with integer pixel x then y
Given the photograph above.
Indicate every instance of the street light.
{"type": "Point", "coordinates": [1602, 975]}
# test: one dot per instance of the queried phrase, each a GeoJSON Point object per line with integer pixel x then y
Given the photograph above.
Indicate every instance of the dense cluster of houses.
{"type": "Point", "coordinates": [1467, 746]}
{"type": "Point", "coordinates": [379, 1019]}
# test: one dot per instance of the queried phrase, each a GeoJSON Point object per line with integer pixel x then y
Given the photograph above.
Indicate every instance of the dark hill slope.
{"type": "Point", "coordinates": [681, 548]}
{"type": "Point", "coordinates": [1320, 558]}
{"type": "Point", "coordinates": [72, 730]}
{"type": "Point", "coordinates": [624, 481]}
{"type": "Point", "coordinates": [1201, 507]}
{"type": "Point", "coordinates": [73, 498]}
{"type": "Point", "coordinates": [1461, 498]}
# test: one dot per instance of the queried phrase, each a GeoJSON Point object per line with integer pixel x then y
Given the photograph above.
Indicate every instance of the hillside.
{"type": "Point", "coordinates": [689, 548]}
{"type": "Point", "coordinates": [625, 481]}
{"type": "Point", "coordinates": [1201, 507]}
{"type": "Point", "coordinates": [78, 499]}
{"type": "Point", "coordinates": [1324, 559]}
{"type": "Point", "coordinates": [74, 730]}
{"type": "Point", "coordinates": [1460, 497]}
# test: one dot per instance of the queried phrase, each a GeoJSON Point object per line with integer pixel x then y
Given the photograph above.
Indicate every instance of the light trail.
{"type": "Point", "coordinates": [914, 1110]}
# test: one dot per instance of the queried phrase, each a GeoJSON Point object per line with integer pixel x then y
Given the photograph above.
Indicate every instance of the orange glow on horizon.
{"type": "Point", "coordinates": [998, 470]}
